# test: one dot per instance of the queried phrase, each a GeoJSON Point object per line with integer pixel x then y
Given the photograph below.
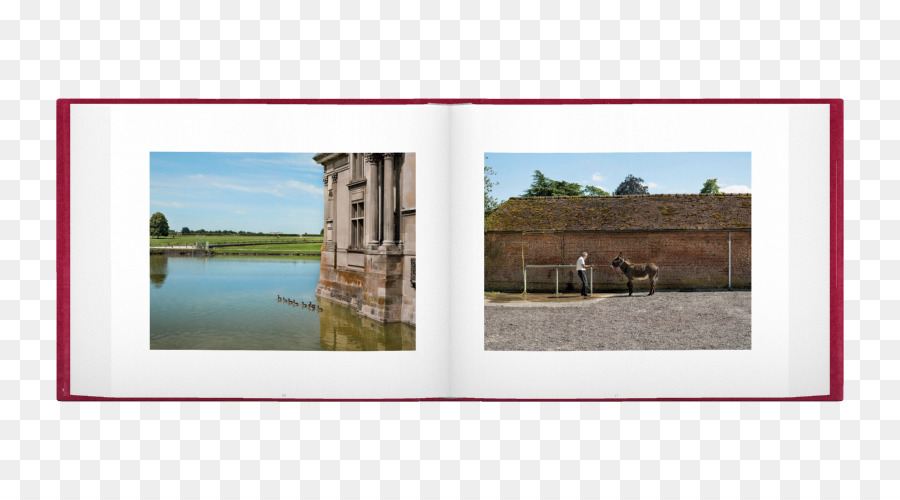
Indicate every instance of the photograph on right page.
{"type": "Point", "coordinates": [617, 251]}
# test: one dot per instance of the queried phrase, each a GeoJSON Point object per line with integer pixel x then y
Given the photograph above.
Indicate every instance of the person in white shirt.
{"type": "Point", "coordinates": [580, 267]}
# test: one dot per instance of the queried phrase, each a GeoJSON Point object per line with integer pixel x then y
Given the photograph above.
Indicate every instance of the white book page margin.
{"type": "Point", "coordinates": [89, 271]}
{"type": "Point", "coordinates": [763, 371]}
{"type": "Point", "coordinates": [136, 371]}
{"type": "Point", "coordinates": [810, 251]}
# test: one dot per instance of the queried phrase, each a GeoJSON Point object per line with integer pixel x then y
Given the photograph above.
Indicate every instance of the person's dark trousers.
{"type": "Point", "coordinates": [584, 287]}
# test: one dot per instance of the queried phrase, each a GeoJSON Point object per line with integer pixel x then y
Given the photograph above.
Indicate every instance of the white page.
{"type": "Point", "coordinates": [110, 320]}
{"type": "Point", "coordinates": [785, 360]}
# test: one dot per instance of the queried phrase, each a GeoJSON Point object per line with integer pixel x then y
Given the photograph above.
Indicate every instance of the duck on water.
{"type": "Point", "coordinates": [312, 306]}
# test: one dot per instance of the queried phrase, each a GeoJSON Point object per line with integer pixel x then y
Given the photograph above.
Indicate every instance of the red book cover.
{"type": "Point", "coordinates": [260, 251]}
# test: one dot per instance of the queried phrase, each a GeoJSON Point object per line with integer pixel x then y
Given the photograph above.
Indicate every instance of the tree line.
{"type": "Point", "coordinates": [541, 185]}
{"type": "Point", "coordinates": [159, 228]}
{"type": "Point", "coordinates": [229, 232]}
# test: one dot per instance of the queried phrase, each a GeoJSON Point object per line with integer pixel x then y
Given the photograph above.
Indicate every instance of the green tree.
{"type": "Point", "coordinates": [490, 202]}
{"type": "Point", "coordinates": [185, 230]}
{"type": "Point", "coordinates": [159, 226]}
{"type": "Point", "coordinates": [631, 185]}
{"type": "Point", "coordinates": [711, 186]}
{"type": "Point", "coordinates": [594, 191]}
{"type": "Point", "coordinates": [322, 232]}
{"type": "Point", "coordinates": [545, 186]}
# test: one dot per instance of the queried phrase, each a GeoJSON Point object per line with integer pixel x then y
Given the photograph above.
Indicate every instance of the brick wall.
{"type": "Point", "coordinates": [687, 259]}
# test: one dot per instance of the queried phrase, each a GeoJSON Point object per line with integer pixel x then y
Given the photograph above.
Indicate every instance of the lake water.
{"type": "Point", "coordinates": [213, 303]}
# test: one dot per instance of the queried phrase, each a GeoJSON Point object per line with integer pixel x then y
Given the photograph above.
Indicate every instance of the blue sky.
{"type": "Point", "coordinates": [260, 192]}
{"type": "Point", "coordinates": [662, 172]}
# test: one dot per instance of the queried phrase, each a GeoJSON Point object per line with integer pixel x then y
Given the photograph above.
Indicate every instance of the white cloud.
{"type": "Point", "coordinates": [273, 186]}
{"type": "Point", "coordinates": [302, 186]}
{"type": "Point", "coordinates": [173, 204]}
{"type": "Point", "coordinates": [597, 177]}
{"type": "Point", "coordinates": [247, 189]}
{"type": "Point", "coordinates": [737, 188]}
{"type": "Point", "coordinates": [301, 163]}
{"type": "Point", "coordinates": [276, 189]}
{"type": "Point", "coordinates": [652, 185]}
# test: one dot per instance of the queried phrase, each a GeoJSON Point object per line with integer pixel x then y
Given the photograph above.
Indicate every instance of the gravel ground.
{"type": "Point", "coordinates": [665, 321]}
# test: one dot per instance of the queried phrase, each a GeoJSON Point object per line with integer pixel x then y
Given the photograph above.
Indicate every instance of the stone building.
{"type": "Point", "coordinates": [698, 241]}
{"type": "Point", "coordinates": [369, 248]}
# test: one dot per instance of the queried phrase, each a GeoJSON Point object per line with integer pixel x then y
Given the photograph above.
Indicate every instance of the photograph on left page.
{"type": "Point", "coordinates": [282, 251]}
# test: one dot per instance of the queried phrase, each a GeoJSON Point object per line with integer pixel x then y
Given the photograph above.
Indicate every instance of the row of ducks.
{"type": "Point", "coordinates": [311, 305]}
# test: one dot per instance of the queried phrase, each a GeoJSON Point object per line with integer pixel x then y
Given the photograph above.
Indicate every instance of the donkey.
{"type": "Point", "coordinates": [637, 272]}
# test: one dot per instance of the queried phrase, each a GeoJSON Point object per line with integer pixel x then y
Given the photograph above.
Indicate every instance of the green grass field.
{"type": "Point", "coordinates": [219, 240]}
{"type": "Point", "coordinates": [267, 244]}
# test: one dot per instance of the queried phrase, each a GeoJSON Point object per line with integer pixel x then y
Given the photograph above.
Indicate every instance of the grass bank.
{"type": "Point", "coordinates": [245, 245]}
{"type": "Point", "coordinates": [179, 240]}
{"type": "Point", "coordinates": [271, 249]}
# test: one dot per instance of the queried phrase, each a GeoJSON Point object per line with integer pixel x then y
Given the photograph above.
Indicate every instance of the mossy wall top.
{"type": "Point", "coordinates": [622, 213]}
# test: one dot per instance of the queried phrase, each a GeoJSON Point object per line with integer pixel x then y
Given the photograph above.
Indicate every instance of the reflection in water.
{"type": "Point", "coordinates": [159, 268]}
{"type": "Point", "coordinates": [230, 303]}
{"type": "Point", "coordinates": [344, 330]}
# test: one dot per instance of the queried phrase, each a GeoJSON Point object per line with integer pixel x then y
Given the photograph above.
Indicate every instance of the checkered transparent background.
{"type": "Point", "coordinates": [360, 49]}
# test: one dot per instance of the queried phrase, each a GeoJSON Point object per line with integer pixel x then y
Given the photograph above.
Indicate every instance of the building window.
{"type": "Point", "coordinates": [357, 216]}
{"type": "Point", "coordinates": [356, 170]}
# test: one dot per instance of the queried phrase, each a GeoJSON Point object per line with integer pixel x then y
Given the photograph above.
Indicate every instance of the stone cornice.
{"type": "Point", "coordinates": [322, 158]}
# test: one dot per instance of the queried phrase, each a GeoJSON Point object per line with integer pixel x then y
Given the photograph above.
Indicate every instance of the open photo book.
{"type": "Point", "coordinates": [337, 250]}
